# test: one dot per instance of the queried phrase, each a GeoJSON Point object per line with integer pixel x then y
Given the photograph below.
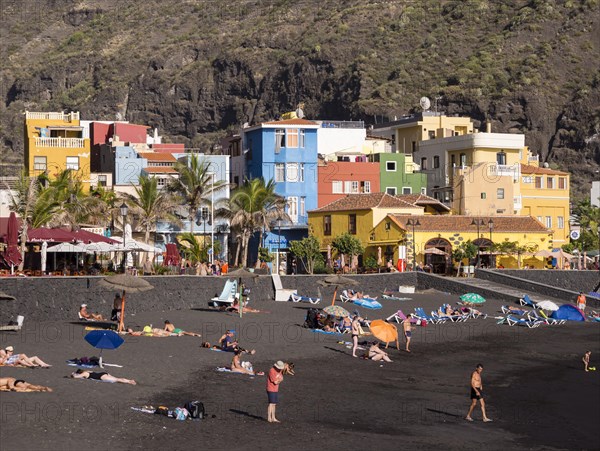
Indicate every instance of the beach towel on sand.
{"type": "Point", "coordinates": [321, 331]}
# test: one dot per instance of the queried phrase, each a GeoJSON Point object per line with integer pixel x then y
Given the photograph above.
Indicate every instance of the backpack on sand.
{"type": "Point", "coordinates": [196, 409]}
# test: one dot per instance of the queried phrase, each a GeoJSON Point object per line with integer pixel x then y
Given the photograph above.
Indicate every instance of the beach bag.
{"type": "Point", "coordinates": [181, 413]}
{"type": "Point", "coordinates": [196, 409]}
{"type": "Point", "coordinates": [162, 410]}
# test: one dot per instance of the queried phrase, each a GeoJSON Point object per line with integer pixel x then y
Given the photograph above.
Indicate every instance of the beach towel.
{"type": "Point", "coordinates": [222, 369]}
{"type": "Point", "coordinates": [321, 331]}
{"type": "Point", "coordinates": [20, 391]}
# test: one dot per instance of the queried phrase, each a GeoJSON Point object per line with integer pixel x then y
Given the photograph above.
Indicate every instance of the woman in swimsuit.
{"type": "Point", "coordinates": [100, 376]}
{"type": "Point", "coordinates": [8, 357]}
{"type": "Point", "coordinates": [169, 327]}
{"type": "Point", "coordinates": [10, 383]}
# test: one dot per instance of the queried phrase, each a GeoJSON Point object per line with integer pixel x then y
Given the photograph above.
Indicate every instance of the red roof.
{"type": "Point", "coordinates": [456, 223]}
{"type": "Point", "coordinates": [528, 169]}
{"type": "Point", "coordinates": [152, 156]}
{"type": "Point", "coordinates": [366, 202]}
{"type": "Point", "coordinates": [159, 170]}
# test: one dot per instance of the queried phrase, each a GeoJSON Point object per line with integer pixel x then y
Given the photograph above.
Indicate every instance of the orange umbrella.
{"type": "Point", "coordinates": [385, 332]}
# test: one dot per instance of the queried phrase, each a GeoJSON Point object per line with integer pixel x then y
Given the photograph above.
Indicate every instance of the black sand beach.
{"type": "Point", "coordinates": [536, 390]}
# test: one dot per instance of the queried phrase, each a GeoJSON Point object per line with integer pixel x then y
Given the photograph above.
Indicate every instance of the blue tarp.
{"type": "Point", "coordinates": [568, 312]}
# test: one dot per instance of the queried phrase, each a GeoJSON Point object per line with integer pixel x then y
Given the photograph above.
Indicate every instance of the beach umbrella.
{"type": "Point", "coordinates": [342, 261]}
{"type": "Point", "coordinates": [329, 265]}
{"type": "Point", "coordinates": [379, 259]}
{"type": "Point", "coordinates": [337, 281]}
{"type": "Point", "coordinates": [543, 253]}
{"type": "Point", "coordinates": [434, 251]}
{"type": "Point", "coordinates": [472, 298]}
{"type": "Point", "coordinates": [126, 283]}
{"type": "Point", "coordinates": [384, 331]}
{"type": "Point", "coordinates": [6, 297]}
{"type": "Point", "coordinates": [44, 255]}
{"type": "Point", "coordinates": [548, 305]}
{"type": "Point", "coordinates": [104, 339]}
{"type": "Point", "coordinates": [337, 311]}
{"type": "Point", "coordinates": [68, 248]}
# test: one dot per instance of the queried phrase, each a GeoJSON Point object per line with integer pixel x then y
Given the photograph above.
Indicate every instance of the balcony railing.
{"type": "Point", "coordinates": [517, 203]}
{"type": "Point", "coordinates": [70, 117]}
{"type": "Point", "coordinates": [342, 124]}
{"type": "Point", "coordinates": [71, 143]}
{"type": "Point", "coordinates": [499, 170]}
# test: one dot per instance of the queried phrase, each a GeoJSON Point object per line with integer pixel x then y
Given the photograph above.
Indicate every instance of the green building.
{"type": "Point", "coordinates": [398, 174]}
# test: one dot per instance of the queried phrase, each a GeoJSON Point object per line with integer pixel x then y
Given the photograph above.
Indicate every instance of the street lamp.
{"type": "Point", "coordinates": [212, 217]}
{"type": "Point", "coordinates": [124, 209]}
{"type": "Point", "coordinates": [414, 223]}
{"type": "Point", "coordinates": [478, 223]}
{"type": "Point", "coordinates": [278, 242]}
{"type": "Point", "coordinates": [204, 215]}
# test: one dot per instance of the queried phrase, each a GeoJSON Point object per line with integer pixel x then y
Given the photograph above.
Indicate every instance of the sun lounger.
{"type": "Point", "coordinates": [444, 317]}
{"type": "Point", "coordinates": [422, 315]}
{"type": "Point", "coordinates": [281, 294]}
{"type": "Point", "coordinates": [513, 320]}
{"type": "Point", "coordinates": [227, 296]}
{"type": "Point", "coordinates": [399, 316]}
{"type": "Point", "coordinates": [14, 327]}
{"type": "Point", "coordinates": [295, 297]}
{"type": "Point", "coordinates": [508, 311]}
{"type": "Point", "coordinates": [534, 316]}
{"type": "Point", "coordinates": [526, 300]}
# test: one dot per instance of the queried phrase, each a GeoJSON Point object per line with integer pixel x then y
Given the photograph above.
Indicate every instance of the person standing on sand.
{"type": "Point", "coordinates": [407, 327]}
{"type": "Point", "coordinates": [274, 379]}
{"type": "Point", "coordinates": [355, 333]}
{"type": "Point", "coordinates": [581, 301]}
{"type": "Point", "coordinates": [586, 362]}
{"type": "Point", "coordinates": [477, 394]}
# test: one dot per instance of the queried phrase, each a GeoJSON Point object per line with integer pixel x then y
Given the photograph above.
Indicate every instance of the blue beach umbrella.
{"type": "Point", "coordinates": [104, 339]}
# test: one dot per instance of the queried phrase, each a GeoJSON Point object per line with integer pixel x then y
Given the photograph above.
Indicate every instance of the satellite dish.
{"type": "Point", "coordinates": [425, 103]}
{"type": "Point", "coordinates": [546, 165]}
{"type": "Point", "coordinates": [300, 113]}
{"type": "Point", "coordinates": [246, 125]}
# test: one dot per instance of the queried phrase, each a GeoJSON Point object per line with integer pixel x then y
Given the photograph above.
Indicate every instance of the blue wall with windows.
{"type": "Point", "coordinates": [290, 159]}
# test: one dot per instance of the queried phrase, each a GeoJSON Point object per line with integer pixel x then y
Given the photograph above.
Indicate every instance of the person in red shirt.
{"type": "Point", "coordinates": [274, 378]}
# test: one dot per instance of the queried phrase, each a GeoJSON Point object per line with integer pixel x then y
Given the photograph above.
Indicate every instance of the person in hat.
{"type": "Point", "coordinates": [9, 358]}
{"type": "Point", "coordinates": [83, 313]}
{"type": "Point", "coordinates": [274, 379]}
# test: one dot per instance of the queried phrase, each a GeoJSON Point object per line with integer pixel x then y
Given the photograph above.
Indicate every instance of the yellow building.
{"type": "Point", "coordinates": [407, 133]}
{"type": "Point", "coordinates": [544, 194]}
{"type": "Point", "coordinates": [54, 142]}
{"type": "Point", "coordinates": [356, 214]}
{"type": "Point", "coordinates": [435, 237]}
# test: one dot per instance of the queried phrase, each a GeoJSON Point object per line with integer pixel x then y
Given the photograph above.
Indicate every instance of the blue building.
{"type": "Point", "coordinates": [286, 152]}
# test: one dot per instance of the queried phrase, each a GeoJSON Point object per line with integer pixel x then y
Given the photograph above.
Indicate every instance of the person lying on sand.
{"type": "Point", "coordinates": [12, 384]}
{"type": "Point", "coordinates": [169, 327]}
{"type": "Point", "coordinates": [149, 331]}
{"type": "Point", "coordinates": [89, 316]}
{"type": "Point", "coordinates": [235, 307]}
{"type": "Point", "coordinates": [100, 376]}
{"type": "Point", "coordinates": [237, 366]}
{"type": "Point", "coordinates": [377, 354]}
{"type": "Point", "coordinates": [9, 358]}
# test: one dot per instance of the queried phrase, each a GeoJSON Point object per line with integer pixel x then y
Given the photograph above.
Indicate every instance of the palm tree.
{"type": "Point", "coordinates": [74, 204]}
{"type": "Point", "coordinates": [151, 204]}
{"type": "Point", "coordinates": [194, 185]}
{"type": "Point", "coordinates": [33, 204]}
{"type": "Point", "coordinates": [193, 249]}
{"type": "Point", "coordinates": [254, 207]}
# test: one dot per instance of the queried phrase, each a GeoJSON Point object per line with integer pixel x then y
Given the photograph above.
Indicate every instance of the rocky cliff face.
{"type": "Point", "coordinates": [196, 69]}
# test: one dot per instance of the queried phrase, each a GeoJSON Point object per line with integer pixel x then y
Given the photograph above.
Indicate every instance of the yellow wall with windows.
{"type": "Point", "coordinates": [56, 150]}
{"type": "Point", "coordinates": [340, 225]}
{"type": "Point", "coordinates": [442, 126]}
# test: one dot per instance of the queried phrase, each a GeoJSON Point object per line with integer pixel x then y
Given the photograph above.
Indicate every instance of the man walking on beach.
{"type": "Point", "coordinates": [477, 394]}
{"type": "Point", "coordinates": [581, 301]}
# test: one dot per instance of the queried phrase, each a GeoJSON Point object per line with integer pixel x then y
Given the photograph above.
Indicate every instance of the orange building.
{"type": "Point", "coordinates": [336, 179]}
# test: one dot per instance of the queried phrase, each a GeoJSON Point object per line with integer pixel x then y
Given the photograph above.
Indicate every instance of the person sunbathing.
{"type": "Point", "coordinates": [235, 307]}
{"type": "Point", "coordinates": [89, 316]}
{"type": "Point", "coordinates": [9, 358]}
{"type": "Point", "coordinates": [169, 327]}
{"type": "Point", "coordinates": [12, 384]}
{"type": "Point", "coordinates": [101, 376]}
{"type": "Point", "coordinates": [377, 354]}
{"type": "Point", "coordinates": [237, 366]}
{"type": "Point", "coordinates": [149, 331]}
